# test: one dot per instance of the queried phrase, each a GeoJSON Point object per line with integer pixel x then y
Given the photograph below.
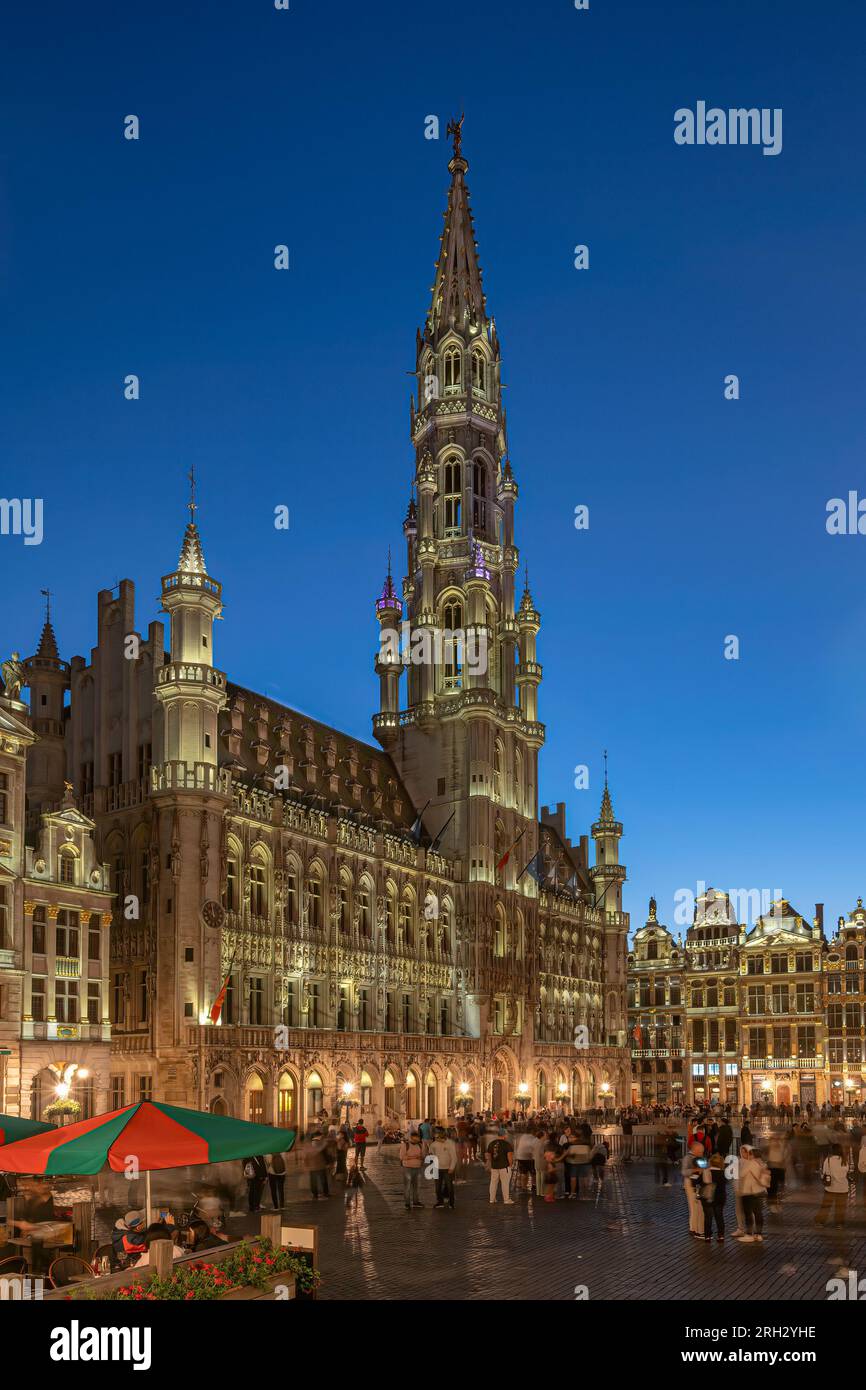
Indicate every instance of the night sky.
{"type": "Point", "coordinates": [707, 516]}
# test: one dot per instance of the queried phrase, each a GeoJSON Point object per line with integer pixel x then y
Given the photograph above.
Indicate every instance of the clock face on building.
{"type": "Point", "coordinates": [213, 914]}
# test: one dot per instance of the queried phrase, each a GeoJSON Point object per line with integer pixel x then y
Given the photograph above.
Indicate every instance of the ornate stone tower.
{"type": "Point", "coordinates": [608, 876]}
{"type": "Point", "coordinates": [48, 679]}
{"type": "Point", "coordinates": [466, 743]}
{"type": "Point", "coordinates": [189, 794]}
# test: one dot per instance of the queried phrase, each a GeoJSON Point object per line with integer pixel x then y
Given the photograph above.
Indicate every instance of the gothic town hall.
{"type": "Point", "coordinates": [366, 905]}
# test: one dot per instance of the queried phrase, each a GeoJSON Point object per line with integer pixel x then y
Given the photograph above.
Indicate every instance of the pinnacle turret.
{"type": "Point", "coordinates": [458, 296]}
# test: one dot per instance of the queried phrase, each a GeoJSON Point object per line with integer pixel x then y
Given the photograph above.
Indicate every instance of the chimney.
{"type": "Point", "coordinates": [819, 917]}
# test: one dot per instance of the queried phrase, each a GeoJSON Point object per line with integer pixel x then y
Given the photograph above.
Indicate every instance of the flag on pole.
{"type": "Point", "coordinates": [417, 827]}
{"type": "Point", "coordinates": [438, 840]}
{"type": "Point", "coordinates": [544, 877]}
{"type": "Point", "coordinates": [507, 855]}
{"type": "Point", "coordinates": [217, 1006]}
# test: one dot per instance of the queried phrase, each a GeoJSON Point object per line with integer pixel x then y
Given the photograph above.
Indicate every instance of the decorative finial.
{"type": "Point", "coordinates": [46, 593]}
{"type": "Point", "coordinates": [455, 128]}
{"type": "Point", "coordinates": [191, 503]}
{"type": "Point", "coordinates": [389, 562]}
{"type": "Point", "coordinates": [605, 767]}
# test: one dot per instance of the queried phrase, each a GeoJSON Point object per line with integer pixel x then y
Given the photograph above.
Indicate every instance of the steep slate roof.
{"type": "Point", "coordinates": [383, 796]}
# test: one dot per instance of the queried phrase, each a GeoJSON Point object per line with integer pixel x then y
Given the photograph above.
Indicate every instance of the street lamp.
{"type": "Point", "coordinates": [562, 1092]}
{"type": "Point", "coordinates": [347, 1100]}
{"type": "Point", "coordinates": [464, 1097]}
{"type": "Point", "coordinates": [522, 1096]}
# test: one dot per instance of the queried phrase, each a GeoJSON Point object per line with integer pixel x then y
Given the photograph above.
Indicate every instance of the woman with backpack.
{"type": "Point", "coordinates": [834, 1175]}
{"type": "Point", "coordinates": [255, 1173]}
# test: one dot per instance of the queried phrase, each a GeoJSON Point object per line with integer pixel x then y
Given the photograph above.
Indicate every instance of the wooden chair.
{"type": "Point", "coordinates": [65, 1269]}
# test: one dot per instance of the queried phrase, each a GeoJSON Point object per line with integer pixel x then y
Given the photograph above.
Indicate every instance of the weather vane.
{"type": "Point", "coordinates": [455, 128]}
{"type": "Point", "coordinates": [46, 594]}
{"type": "Point", "coordinates": [191, 502]}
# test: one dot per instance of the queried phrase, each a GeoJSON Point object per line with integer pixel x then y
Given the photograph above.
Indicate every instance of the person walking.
{"type": "Point", "coordinates": [834, 1176]}
{"type": "Point", "coordinates": [411, 1159]}
{"type": "Point", "coordinates": [359, 1138]}
{"type": "Point", "coordinates": [380, 1137]}
{"type": "Point", "coordinates": [627, 1127]}
{"type": "Point", "coordinates": [499, 1158]}
{"type": "Point", "coordinates": [444, 1150]}
{"type": "Point", "coordinates": [255, 1172]}
{"type": "Point", "coordinates": [317, 1161]}
{"type": "Point", "coordinates": [753, 1181]}
{"type": "Point", "coordinates": [276, 1166]}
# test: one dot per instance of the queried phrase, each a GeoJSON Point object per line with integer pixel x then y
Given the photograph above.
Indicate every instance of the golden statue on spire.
{"type": "Point", "coordinates": [455, 128]}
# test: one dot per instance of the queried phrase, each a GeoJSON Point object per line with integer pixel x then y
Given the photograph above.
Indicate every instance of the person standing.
{"type": "Point", "coordinates": [753, 1181]}
{"type": "Point", "coordinates": [444, 1150]}
{"type": "Point", "coordinates": [255, 1172]}
{"type": "Point", "coordinates": [360, 1137]}
{"type": "Point", "coordinates": [276, 1166]}
{"type": "Point", "coordinates": [777, 1159]}
{"type": "Point", "coordinates": [525, 1153]}
{"type": "Point", "coordinates": [411, 1159]}
{"type": "Point", "coordinates": [834, 1176]}
{"type": "Point", "coordinates": [714, 1190]}
{"type": "Point", "coordinates": [662, 1163]}
{"type": "Point", "coordinates": [316, 1162]}
{"type": "Point", "coordinates": [499, 1158]}
{"type": "Point", "coordinates": [627, 1126]}
{"type": "Point", "coordinates": [691, 1175]}
{"type": "Point", "coordinates": [380, 1137]}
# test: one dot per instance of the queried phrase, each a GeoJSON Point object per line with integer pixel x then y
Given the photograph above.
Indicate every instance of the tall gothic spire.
{"type": "Point", "coordinates": [457, 292]}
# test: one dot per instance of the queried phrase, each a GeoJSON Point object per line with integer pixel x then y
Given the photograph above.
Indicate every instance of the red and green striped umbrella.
{"type": "Point", "coordinates": [13, 1127]}
{"type": "Point", "coordinates": [149, 1133]}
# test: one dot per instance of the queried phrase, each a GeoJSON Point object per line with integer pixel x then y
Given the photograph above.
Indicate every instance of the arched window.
{"type": "Point", "coordinates": [345, 901]}
{"type": "Point", "coordinates": [452, 370]}
{"type": "Point", "coordinates": [258, 889]}
{"type": "Point", "coordinates": [407, 918]}
{"type": "Point", "coordinates": [67, 865]}
{"type": "Point", "coordinates": [452, 494]}
{"type": "Point", "coordinates": [365, 916]}
{"type": "Point", "coordinates": [314, 896]}
{"type": "Point", "coordinates": [452, 647]}
{"type": "Point", "coordinates": [390, 912]}
{"type": "Point", "coordinates": [518, 780]}
{"type": "Point", "coordinates": [479, 373]}
{"type": "Point", "coordinates": [233, 893]}
{"type": "Point", "coordinates": [498, 770]}
{"type": "Point", "coordinates": [479, 495]}
{"type": "Point", "coordinates": [292, 892]}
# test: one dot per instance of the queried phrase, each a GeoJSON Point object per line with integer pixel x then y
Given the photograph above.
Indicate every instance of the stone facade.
{"type": "Point", "coordinates": [773, 1013]}
{"type": "Point", "coordinates": [368, 907]}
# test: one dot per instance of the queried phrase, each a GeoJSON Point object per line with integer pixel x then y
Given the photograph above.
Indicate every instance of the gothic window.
{"type": "Point", "coordinates": [257, 999]}
{"type": "Point", "coordinates": [518, 780]}
{"type": "Point", "coordinates": [292, 893]}
{"type": "Point", "coordinates": [258, 891]}
{"type": "Point", "coordinates": [479, 374]}
{"type": "Point", "coordinates": [345, 902]}
{"type": "Point", "coordinates": [232, 896]}
{"type": "Point", "coordinates": [498, 770]}
{"type": "Point", "coordinates": [452, 494]}
{"type": "Point", "coordinates": [365, 919]}
{"type": "Point", "coordinates": [407, 919]}
{"type": "Point", "coordinates": [451, 370]}
{"type": "Point", "coordinates": [390, 912]}
{"type": "Point", "coordinates": [499, 936]}
{"type": "Point", "coordinates": [314, 889]}
{"type": "Point", "coordinates": [452, 653]}
{"type": "Point", "coordinates": [479, 495]}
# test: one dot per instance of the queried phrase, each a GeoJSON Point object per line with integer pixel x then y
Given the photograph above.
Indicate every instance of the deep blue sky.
{"type": "Point", "coordinates": [707, 516]}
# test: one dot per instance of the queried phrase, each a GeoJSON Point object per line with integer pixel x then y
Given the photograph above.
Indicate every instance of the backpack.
{"type": "Point", "coordinates": [278, 1165]}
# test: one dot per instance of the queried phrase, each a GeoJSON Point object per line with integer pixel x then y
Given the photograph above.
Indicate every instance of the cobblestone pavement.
{"type": "Point", "coordinates": [630, 1244]}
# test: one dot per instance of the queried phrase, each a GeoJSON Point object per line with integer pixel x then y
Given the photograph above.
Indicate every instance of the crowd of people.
{"type": "Point", "coordinates": [560, 1157]}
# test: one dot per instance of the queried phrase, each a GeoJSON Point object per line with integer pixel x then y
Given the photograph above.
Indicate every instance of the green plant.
{"type": "Point", "coordinates": [62, 1107]}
